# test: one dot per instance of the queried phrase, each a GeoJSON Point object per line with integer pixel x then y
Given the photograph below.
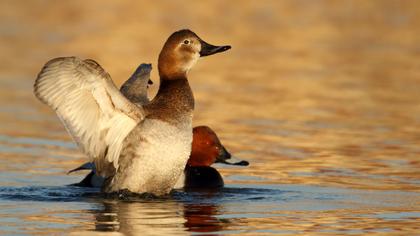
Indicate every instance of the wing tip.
{"type": "Point", "coordinates": [49, 64]}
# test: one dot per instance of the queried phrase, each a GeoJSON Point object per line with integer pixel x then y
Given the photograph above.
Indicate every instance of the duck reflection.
{"type": "Point", "coordinates": [201, 218]}
{"type": "Point", "coordinates": [141, 218]}
{"type": "Point", "coordinates": [202, 214]}
{"type": "Point", "coordinates": [166, 217]}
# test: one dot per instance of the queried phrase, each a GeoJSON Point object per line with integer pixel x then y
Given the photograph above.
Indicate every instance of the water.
{"type": "Point", "coordinates": [235, 209]}
{"type": "Point", "coordinates": [320, 96]}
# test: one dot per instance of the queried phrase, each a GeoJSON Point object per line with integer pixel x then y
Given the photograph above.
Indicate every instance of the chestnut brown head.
{"type": "Point", "coordinates": [181, 51]}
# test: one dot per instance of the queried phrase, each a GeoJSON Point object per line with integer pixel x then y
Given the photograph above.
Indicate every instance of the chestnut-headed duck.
{"type": "Point", "coordinates": [206, 150]}
{"type": "Point", "coordinates": [142, 149]}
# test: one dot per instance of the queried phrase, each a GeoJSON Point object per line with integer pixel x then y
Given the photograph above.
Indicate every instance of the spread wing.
{"type": "Point", "coordinates": [94, 112]}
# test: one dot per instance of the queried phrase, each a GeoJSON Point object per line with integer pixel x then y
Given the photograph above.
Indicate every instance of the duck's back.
{"type": "Point", "coordinates": [201, 177]}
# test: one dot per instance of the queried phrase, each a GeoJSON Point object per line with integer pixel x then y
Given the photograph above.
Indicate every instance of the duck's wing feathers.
{"type": "Point", "coordinates": [85, 166]}
{"type": "Point", "coordinates": [94, 112]}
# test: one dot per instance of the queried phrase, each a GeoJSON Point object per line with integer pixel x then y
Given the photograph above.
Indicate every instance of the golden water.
{"type": "Point", "coordinates": [322, 97]}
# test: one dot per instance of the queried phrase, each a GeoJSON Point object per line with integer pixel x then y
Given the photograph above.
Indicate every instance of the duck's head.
{"type": "Point", "coordinates": [142, 73]}
{"type": "Point", "coordinates": [207, 149]}
{"type": "Point", "coordinates": [181, 51]}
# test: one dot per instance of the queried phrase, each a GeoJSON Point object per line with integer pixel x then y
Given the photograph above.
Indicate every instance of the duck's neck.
{"type": "Point", "coordinates": [173, 101]}
{"type": "Point", "coordinates": [169, 67]}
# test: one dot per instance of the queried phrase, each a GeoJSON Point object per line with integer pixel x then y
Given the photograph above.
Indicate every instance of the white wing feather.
{"type": "Point", "coordinates": [92, 109]}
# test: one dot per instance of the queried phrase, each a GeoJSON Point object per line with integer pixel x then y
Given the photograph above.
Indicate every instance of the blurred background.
{"type": "Point", "coordinates": [313, 93]}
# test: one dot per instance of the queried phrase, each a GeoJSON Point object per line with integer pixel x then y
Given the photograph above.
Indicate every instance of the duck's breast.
{"type": "Point", "coordinates": [155, 156]}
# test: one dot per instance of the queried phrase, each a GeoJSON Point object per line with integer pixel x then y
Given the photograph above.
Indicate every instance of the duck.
{"type": "Point", "coordinates": [206, 146]}
{"type": "Point", "coordinates": [139, 149]}
{"type": "Point", "coordinates": [135, 88]}
{"type": "Point", "coordinates": [198, 173]}
{"type": "Point", "coordinates": [206, 150]}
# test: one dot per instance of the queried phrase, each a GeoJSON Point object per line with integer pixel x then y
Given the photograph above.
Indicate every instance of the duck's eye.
{"type": "Point", "coordinates": [186, 42]}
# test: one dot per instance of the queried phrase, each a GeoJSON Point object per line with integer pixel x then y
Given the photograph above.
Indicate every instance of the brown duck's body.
{"type": "Point", "coordinates": [202, 177]}
{"type": "Point", "coordinates": [142, 149]}
{"type": "Point", "coordinates": [206, 146]}
{"type": "Point", "coordinates": [198, 173]}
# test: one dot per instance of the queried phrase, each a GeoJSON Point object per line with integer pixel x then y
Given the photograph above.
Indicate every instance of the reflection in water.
{"type": "Point", "coordinates": [134, 215]}
{"type": "Point", "coordinates": [164, 217]}
{"type": "Point", "coordinates": [202, 216]}
{"type": "Point", "coordinates": [137, 218]}
{"type": "Point", "coordinates": [285, 208]}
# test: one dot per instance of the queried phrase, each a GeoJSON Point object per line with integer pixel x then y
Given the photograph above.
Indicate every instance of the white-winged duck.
{"type": "Point", "coordinates": [142, 149]}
